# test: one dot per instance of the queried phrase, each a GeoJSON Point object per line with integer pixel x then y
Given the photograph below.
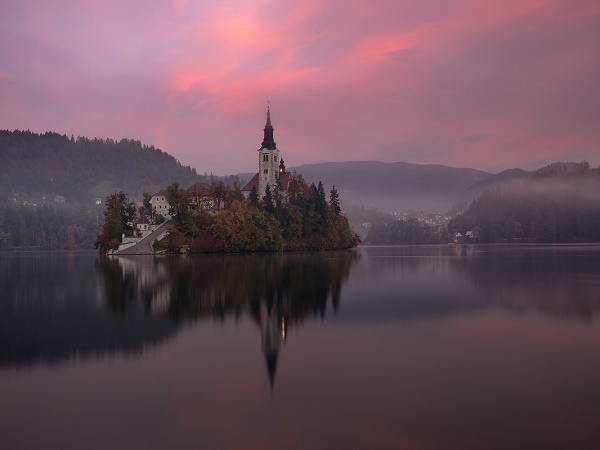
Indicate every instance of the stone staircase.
{"type": "Point", "coordinates": [144, 246]}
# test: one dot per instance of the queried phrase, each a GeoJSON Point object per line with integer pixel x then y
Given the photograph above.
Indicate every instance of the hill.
{"type": "Point", "coordinates": [501, 178]}
{"type": "Point", "coordinates": [558, 203]}
{"type": "Point", "coordinates": [35, 168]}
{"type": "Point", "coordinates": [396, 186]}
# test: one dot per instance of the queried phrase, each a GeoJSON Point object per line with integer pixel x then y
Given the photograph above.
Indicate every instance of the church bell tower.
{"type": "Point", "coordinates": [268, 159]}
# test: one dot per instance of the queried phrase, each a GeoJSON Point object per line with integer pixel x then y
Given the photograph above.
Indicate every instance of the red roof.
{"type": "Point", "coordinates": [253, 183]}
{"type": "Point", "coordinates": [161, 192]}
{"type": "Point", "coordinates": [284, 182]}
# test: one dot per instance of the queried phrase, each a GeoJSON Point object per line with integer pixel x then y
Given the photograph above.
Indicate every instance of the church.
{"type": "Point", "coordinates": [271, 168]}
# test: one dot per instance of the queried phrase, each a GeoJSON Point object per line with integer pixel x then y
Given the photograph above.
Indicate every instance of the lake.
{"type": "Point", "coordinates": [383, 347]}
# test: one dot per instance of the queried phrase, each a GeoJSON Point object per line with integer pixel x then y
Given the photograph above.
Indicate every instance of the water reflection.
{"type": "Point", "coordinates": [278, 291]}
{"type": "Point", "coordinates": [553, 280]}
{"type": "Point", "coordinates": [417, 347]}
{"type": "Point", "coordinates": [411, 282]}
{"type": "Point", "coordinates": [54, 307]}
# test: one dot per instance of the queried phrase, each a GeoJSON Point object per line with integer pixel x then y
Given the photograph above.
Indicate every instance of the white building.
{"type": "Point", "coordinates": [160, 205]}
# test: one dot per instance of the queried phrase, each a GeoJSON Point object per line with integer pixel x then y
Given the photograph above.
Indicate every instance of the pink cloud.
{"type": "Point", "coordinates": [491, 85]}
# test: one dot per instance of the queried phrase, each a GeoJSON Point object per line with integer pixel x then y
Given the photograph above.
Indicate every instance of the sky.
{"type": "Point", "coordinates": [491, 85]}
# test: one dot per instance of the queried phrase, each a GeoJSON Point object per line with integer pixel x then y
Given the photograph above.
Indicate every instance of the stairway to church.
{"type": "Point", "coordinates": [144, 246]}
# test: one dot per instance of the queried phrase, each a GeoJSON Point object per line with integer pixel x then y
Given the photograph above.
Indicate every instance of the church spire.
{"type": "Point", "coordinates": [268, 141]}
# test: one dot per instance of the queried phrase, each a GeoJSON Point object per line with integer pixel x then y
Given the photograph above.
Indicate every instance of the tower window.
{"type": "Point", "coordinates": [266, 171]}
{"type": "Point", "coordinates": [265, 157]}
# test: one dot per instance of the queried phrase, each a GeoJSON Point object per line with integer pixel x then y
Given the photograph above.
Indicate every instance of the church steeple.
{"type": "Point", "coordinates": [268, 141]}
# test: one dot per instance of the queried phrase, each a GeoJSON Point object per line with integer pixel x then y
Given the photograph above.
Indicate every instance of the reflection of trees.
{"type": "Point", "coordinates": [556, 280]}
{"type": "Point", "coordinates": [560, 281]}
{"type": "Point", "coordinates": [220, 285]}
{"type": "Point", "coordinates": [278, 291]}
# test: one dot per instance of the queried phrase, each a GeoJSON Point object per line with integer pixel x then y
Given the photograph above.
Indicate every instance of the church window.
{"type": "Point", "coordinates": [266, 171]}
{"type": "Point", "coordinates": [265, 157]}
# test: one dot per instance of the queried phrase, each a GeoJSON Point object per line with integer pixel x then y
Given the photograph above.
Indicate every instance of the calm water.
{"type": "Point", "coordinates": [394, 347]}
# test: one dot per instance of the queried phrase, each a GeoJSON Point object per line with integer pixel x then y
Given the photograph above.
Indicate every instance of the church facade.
{"type": "Point", "coordinates": [271, 168]}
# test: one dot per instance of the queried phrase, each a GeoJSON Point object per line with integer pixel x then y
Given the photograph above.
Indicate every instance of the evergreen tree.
{"type": "Point", "coordinates": [321, 208]}
{"type": "Point", "coordinates": [118, 219]}
{"type": "Point", "coordinates": [237, 190]}
{"type": "Point", "coordinates": [334, 202]}
{"type": "Point", "coordinates": [268, 200]}
{"type": "Point", "coordinates": [254, 201]}
{"type": "Point", "coordinates": [147, 206]}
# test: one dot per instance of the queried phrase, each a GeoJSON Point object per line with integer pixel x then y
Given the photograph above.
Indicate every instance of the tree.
{"type": "Point", "coordinates": [268, 200]}
{"type": "Point", "coordinates": [334, 202]}
{"type": "Point", "coordinates": [254, 201]}
{"type": "Point", "coordinates": [179, 207]}
{"type": "Point", "coordinates": [237, 190]}
{"type": "Point", "coordinates": [217, 192]}
{"type": "Point", "coordinates": [147, 206]}
{"type": "Point", "coordinates": [118, 219]}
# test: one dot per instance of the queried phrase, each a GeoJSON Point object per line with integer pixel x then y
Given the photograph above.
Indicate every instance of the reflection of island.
{"type": "Point", "coordinates": [53, 310]}
{"type": "Point", "coordinates": [56, 307]}
{"type": "Point", "coordinates": [278, 291]}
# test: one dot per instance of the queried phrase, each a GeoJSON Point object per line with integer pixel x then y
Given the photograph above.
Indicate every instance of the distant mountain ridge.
{"type": "Point", "coordinates": [402, 186]}
{"type": "Point", "coordinates": [396, 186]}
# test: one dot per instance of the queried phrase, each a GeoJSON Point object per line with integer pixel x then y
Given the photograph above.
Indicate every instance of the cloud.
{"type": "Point", "coordinates": [488, 84]}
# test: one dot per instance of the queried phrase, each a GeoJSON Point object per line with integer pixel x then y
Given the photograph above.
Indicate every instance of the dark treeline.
{"type": "Point", "coordinates": [50, 183]}
{"type": "Point", "coordinates": [46, 227]}
{"type": "Point", "coordinates": [37, 167]}
{"type": "Point", "coordinates": [551, 206]}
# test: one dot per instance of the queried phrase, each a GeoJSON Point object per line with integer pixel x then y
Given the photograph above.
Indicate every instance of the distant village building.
{"type": "Point", "coordinates": [59, 199]}
{"type": "Point", "coordinates": [271, 168]}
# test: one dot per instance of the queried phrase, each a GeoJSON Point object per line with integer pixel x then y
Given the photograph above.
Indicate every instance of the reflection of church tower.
{"type": "Point", "coordinates": [273, 334]}
{"type": "Point", "coordinates": [268, 159]}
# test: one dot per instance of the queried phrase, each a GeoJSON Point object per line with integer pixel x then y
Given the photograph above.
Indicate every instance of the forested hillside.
{"type": "Point", "coordinates": [52, 187]}
{"type": "Point", "coordinates": [560, 203]}
{"type": "Point", "coordinates": [36, 168]}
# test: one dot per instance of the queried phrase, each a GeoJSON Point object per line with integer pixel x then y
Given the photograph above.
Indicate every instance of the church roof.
{"type": "Point", "coordinates": [284, 182]}
{"type": "Point", "coordinates": [252, 183]}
